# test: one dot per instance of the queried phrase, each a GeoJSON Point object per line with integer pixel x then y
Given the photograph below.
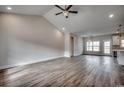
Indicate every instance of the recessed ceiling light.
{"type": "Point", "coordinates": [117, 32]}
{"type": "Point", "coordinates": [63, 28]}
{"type": "Point", "coordinates": [9, 8]}
{"type": "Point", "coordinates": [111, 15]}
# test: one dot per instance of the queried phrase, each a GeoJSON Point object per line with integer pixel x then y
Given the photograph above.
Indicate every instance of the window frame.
{"type": "Point", "coordinates": [96, 46]}
{"type": "Point", "coordinates": [122, 43]}
{"type": "Point", "coordinates": [91, 46]}
{"type": "Point", "coordinates": [107, 47]}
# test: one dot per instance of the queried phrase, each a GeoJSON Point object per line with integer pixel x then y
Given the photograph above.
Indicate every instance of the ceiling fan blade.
{"type": "Point", "coordinates": [59, 7]}
{"type": "Point", "coordinates": [73, 12]}
{"type": "Point", "coordinates": [68, 7]}
{"type": "Point", "coordinates": [58, 13]}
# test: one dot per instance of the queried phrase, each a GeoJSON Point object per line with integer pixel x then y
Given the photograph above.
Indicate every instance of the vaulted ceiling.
{"type": "Point", "coordinates": [27, 9]}
{"type": "Point", "coordinates": [90, 20]}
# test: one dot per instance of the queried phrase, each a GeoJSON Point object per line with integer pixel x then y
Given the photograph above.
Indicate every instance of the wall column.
{"type": "Point", "coordinates": [67, 45]}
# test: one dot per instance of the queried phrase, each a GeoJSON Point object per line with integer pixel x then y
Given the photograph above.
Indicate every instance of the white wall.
{"type": "Point", "coordinates": [67, 45]}
{"type": "Point", "coordinates": [78, 45]}
{"type": "Point", "coordinates": [25, 39]}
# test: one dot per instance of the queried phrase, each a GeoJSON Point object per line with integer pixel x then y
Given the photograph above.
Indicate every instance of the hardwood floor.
{"type": "Point", "coordinates": [81, 71]}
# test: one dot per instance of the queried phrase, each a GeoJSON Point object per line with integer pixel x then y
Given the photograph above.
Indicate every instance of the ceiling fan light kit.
{"type": "Point", "coordinates": [65, 11]}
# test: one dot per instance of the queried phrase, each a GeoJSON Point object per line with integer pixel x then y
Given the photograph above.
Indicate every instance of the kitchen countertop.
{"type": "Point", "coordinates": [117, 50]}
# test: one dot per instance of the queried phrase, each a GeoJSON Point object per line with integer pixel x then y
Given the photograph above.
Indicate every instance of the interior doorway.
{"type": "Point", "coordinates": [72, 46]}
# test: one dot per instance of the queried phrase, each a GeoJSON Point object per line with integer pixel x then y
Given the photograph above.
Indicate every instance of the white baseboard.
{"type": "Point", "coordinates": [67, 54]}
{"type": "Point", "coordinates": [77, 54]}
{"type": "Point", "coordinates": [21, 64]}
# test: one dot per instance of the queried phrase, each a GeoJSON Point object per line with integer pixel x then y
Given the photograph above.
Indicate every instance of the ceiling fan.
{"type": "Point", "coordinates": [66, 10]}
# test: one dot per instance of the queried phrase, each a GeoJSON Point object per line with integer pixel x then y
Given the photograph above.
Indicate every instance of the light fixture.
{"type": "Point", "coordinates": [65, 13]}
{"type": "Point", "coordinates": [111, 15]}
{"type": "Point", "coordinates": [117, 32]}
{"type": "Point", "coordinates": [63, 28]}
{"type": "Point", "coordinates": [9, 8]}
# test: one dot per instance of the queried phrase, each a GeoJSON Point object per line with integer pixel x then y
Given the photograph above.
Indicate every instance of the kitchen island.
{"type": "Point", "coordinates": [120, 56]}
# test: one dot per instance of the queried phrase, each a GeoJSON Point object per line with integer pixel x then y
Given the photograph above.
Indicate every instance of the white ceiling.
{"type": "Point", "coordinates": [27, 9]}
{"type": "Point", "coordinates": [91, 20]}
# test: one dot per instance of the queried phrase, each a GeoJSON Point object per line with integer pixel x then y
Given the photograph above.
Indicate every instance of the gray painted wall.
{"type": "Point", "coordinates": [100, 38]}
{"type": "Point", "coordinates": [26, 39]}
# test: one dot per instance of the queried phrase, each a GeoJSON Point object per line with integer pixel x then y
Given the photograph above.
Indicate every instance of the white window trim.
{"type": "Point", "coordinates": [92, 50]}
{"type": "Point", "coordinates": [107, 47]}
{"type": "Point", "coordinates": [122, 44]}
{"type": "Point", "coordinates": [98, 46]}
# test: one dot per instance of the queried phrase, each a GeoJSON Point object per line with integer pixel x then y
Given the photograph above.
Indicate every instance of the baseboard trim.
{"type": "Point", "coordinates": [67, 56]}
{"type": "Point", "coordinates": [77, 54]}
{"type": "Point", "coordinates": [27, 63]}
{"type": "Point", "coordinates": [98, 54]}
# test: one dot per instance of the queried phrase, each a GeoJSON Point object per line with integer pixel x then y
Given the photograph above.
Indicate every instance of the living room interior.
{"type": "Point", "coordinates": [61, 45]}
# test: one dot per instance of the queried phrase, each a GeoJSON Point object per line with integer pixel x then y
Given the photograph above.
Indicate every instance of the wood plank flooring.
{"type": "Point", "coordinates": [81, 71]}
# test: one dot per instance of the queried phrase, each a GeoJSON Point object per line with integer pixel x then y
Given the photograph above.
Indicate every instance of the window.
{"type": "Point", "coordinates": [96, 45]}
{"type": "Point", "coordinates": [122, 43]}
{"type": "Point", "coordinates": [107, 47]}
{"type": "Point", "coordinates": [93, 46]}
{"type": "Point", "coordinates": [89, 45]}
